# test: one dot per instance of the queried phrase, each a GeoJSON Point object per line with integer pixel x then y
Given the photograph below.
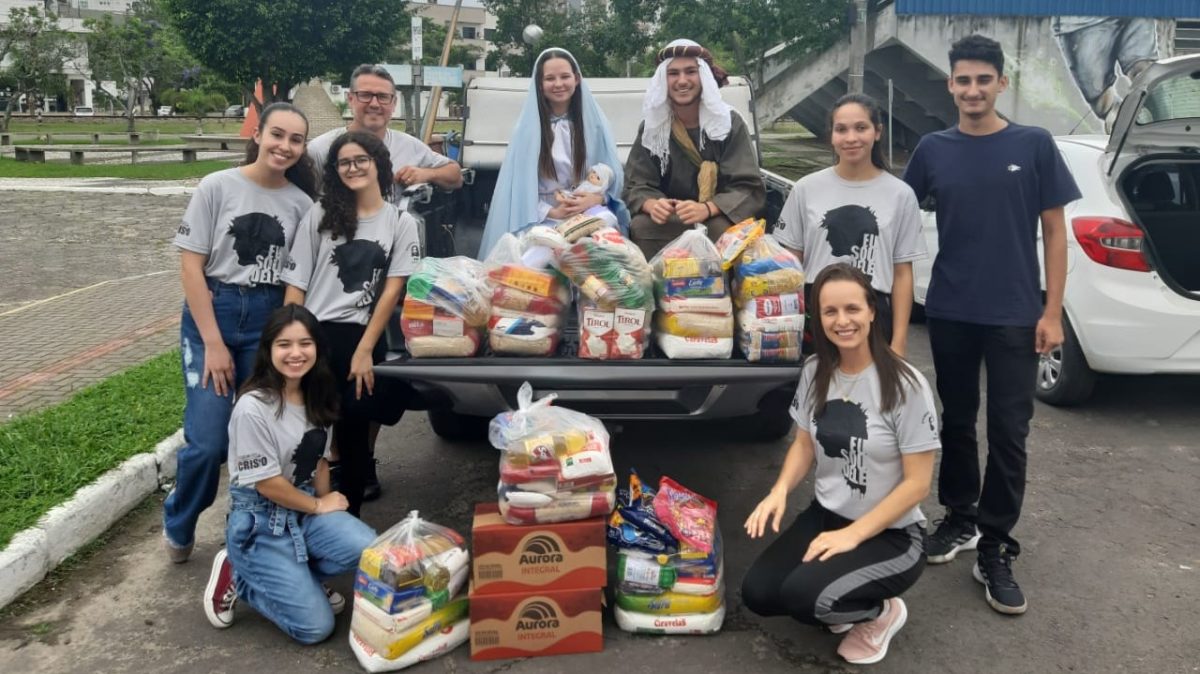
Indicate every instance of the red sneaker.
{"type": "Point", "coordinates": [220, 596]}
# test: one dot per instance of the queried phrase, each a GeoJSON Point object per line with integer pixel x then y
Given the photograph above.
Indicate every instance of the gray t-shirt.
{"type": "Point", "coordinates": [263, 445]}
{"type": "Point", "coordinates": [245, 229]}
{"type": "Point", "coordinates": [342, 279]}
{"type": "Point", "coordinates": [858, 447]}
{"type": "Point", "coordinates": [870, 224]}
{"type": "Point", "coordinates": [403, 149]}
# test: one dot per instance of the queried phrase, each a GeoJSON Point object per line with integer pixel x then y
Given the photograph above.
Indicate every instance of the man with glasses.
{"type": "Point", "coordinates": [372, 101]}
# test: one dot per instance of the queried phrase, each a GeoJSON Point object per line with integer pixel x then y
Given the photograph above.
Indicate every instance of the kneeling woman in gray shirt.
{"type": "Point", "coordinates": [287, 531]}
{"type": "Point", "coordinates": [867, 419]}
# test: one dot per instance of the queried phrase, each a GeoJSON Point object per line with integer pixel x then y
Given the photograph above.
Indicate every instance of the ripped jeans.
{"type": "Point", "coordinates": [241, 312]}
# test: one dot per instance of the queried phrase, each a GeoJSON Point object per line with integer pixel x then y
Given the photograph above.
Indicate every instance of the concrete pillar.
{"type": "Point", "coordinates": [858, 46]}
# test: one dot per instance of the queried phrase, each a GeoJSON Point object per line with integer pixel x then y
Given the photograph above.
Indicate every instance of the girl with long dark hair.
{"type": "Point", "coordinates": [287, 531]}
{"type": "Point", "coordinates": [560, 134]}
{"type": "Point", "coordinates": [233, 241]}
{"type": "Point", "coordinates": [859, 213]}
{"type": "Point", "coordinates": [867, 421]}
{"type": "Point", "coordinates": [352, 256]}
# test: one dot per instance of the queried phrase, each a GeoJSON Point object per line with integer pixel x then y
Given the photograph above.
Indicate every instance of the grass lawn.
{"type": "Point", "coordinates": [46, 456]}
{"type": "Point", "coordinates": [121, 142]}
{"type": "Point", "coordinates": [175, 125]}
{"type": "Point", "coordinates": [11, 168]}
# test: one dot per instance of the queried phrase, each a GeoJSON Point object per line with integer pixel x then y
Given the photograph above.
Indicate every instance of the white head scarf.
{"type": "Point", "coordinates": [715, 113]}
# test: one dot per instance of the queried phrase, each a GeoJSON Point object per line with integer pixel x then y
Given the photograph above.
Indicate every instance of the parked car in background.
{"type": "Point", "coordinates": [165, 111]}
{"type": "Point", "coordinates": [83, 111]}
{"type": "Point", "coordinates": [1132, 302]}
{"type": "Point", "coordinates": [235, 111]}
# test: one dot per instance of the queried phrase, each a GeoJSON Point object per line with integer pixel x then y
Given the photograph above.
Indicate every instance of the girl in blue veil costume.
{"type": "Point", "coordinates": [547, 152]}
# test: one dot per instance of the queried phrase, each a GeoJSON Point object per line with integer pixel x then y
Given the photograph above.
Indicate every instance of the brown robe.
{"type": "Point", "coordinates": [740, 189]}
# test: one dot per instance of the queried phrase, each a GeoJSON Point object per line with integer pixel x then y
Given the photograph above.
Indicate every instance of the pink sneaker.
{"type": "Point", "coordinates": [220, 596]}
{"type": "Point", "coordinates": [867, 642]}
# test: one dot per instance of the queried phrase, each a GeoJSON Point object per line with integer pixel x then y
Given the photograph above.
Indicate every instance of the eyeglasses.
{"type": "Point", "coordinates": [361, 162]}
{"type": "Point", "coordinates": [366, 96]}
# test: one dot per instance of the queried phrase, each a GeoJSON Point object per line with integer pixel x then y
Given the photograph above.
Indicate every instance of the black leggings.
{"type": "Point", "coordinates": [352, 431]}
{"type": "Point", "coordinates": [845, 588]}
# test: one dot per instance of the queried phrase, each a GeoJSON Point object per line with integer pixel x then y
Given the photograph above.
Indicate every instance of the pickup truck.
{"type": "Point", "coordinates": [462, 394]}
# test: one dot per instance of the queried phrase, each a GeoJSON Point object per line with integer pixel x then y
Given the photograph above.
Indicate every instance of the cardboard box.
{"type": "Point", "coordinates": [534, 558]}
{"type": "Point", "coordinates": [541, 623]}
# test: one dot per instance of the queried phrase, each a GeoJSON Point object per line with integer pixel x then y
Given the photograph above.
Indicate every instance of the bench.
{"type": "Point", "coordinates": [37, 153]}
{"type": "Point", "coordinates": [216, 141]}
{"type": "Point", "coordinates": [5, 138]}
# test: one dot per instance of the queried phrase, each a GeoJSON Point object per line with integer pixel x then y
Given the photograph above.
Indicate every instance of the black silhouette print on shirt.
{"type": "Point", "coordinates": [258, 240]}
{"type": "Point", "coordinates": [360, 264]}
{"type": "Point", "coordinates": [853, 231]}
{"type": "Point", "coordinates": [842, 432]}
{"type": "Point", "coordinates": [307, 454]}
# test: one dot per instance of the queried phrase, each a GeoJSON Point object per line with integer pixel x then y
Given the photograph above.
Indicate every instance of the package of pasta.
{"type": "Point", "coordinates": [609, 271]}
{"type": "Point", "coordinates": [555, 464]}
{"type": "Point", "coordinates": [415, 565]}
{"type": "Point", "coordinates": [766, 268]}
{"type": "Point", "coordinates": [737, 238]}
{"type": "Point", "coordinates": [456, 285]}
{"type": "Point", "coordinates": [694, 324]}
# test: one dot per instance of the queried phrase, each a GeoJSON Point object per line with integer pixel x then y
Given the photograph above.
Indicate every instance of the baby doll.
{"type": "Point", "coordinates": [598, 179]}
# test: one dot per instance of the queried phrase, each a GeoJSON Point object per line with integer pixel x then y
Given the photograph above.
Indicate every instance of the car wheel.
{"type": "Point", "coordinates": [455, 427]}
{"type": "Point", "coordinates": [772, 421]}
{"type": "Point", "coordinates": [1063, 376]}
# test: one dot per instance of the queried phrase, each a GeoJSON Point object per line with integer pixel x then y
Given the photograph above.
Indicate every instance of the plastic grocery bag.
{"type": "Point", "coordinates": [415, 563]}
{"type": "Point", "coordinates": [735, 239]}
{"type": "Point", "coordinates": [441, 641]}
{"type": "Point", "coordinates": [766, 268]}
{"type": "Point", "coordinates": [555, 464]}
{"type": "Point", "coordinates": [690, 256]}
{"type": "Point", "coordinates": [609, 271]}
{"type": "Point", "coordinates": [516, 327]}
{"type": "Point", "coordinates": [456, 285]}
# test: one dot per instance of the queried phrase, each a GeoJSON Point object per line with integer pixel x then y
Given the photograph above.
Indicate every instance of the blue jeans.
{"type": "Point", "coordinates": [241, 312]}
{"type": "Point", "coordinates": [280, 557]}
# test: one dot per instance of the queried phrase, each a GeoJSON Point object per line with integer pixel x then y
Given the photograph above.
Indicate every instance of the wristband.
{"type": "Point", "coordinates": [708, 207]}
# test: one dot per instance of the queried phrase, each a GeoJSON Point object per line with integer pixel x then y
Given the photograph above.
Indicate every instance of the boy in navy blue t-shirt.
{"type": "Point", "coordinates": [992, 180]}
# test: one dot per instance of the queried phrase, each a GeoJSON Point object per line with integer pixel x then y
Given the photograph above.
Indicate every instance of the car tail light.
{"type": "Point", "coordinates": [1111, 242]}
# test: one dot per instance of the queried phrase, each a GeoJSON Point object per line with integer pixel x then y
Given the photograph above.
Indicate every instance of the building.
{"type": "Point", "coordinates": [1068, 61]}
{"type": "Point", "coordinates": [475, 28]}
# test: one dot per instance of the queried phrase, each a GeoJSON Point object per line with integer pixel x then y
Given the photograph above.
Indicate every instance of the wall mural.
{"type": "Point", "coordinates": [1104, 54]}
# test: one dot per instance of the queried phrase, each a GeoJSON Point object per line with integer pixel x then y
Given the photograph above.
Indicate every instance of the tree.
{"type": "Point", "coordinates": [284, 42]}
{"type": "Point", "coordinates": [603, 35]}
{"type": "Point", "coordinates": [746, 29]}
{"type": "Point", "coordinates": [126, 53]}
{"type": "Point", "coordinates": [37, 49]}
{"type": "Point", "coordinates": [433, 35]}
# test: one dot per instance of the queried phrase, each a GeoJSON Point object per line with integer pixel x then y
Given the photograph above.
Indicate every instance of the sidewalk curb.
{"type": "Point", "coordinates": [60, 533]}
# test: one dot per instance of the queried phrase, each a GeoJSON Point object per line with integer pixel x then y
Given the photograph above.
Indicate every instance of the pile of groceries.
{"type": "Point", "coordinates": [695, 318]}
{"type": "Point", "coordinates": [446, 308]}
{"type": "Point", "coordinates": [407, 602]}
{"type": "Point", "coordinates": [669, 563]}
{"type": "Point", "coordinates": [555, 464]}
{"type": "Point", "coordinates": [615, 293]}
{"type": "Point", "coordinates": [529, 296]}
{"type": "Point", "coordinates": [768, 289]}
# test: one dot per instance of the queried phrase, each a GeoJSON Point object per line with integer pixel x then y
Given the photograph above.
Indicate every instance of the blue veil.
{"type": "Point", "coordinates": [514, 203]}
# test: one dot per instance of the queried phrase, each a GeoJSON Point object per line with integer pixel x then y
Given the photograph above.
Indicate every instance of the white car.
{"type": "Point", "coordinates": [1132, 302]}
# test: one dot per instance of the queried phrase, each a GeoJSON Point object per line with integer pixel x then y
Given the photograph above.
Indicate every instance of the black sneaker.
{"type": "Point", "coordinates": [371, 489]}
{"type": "Point", "coordinates": [335, 476]}
{"type": "Point", "coordinates": [994, 570]}
{"type": "Point", "coordinates": [952, 536]}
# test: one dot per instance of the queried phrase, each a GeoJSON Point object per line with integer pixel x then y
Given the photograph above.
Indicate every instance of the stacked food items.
{"type": "Point", "coordinates": [529, 297]}
{"type": "Point", "coordinates": [407, 607]}
{"type": "Point", "coordinates": [669, 564]}
{"type": "Point", "coordinates": [446, 308]}
{"type": "Point", "coordinates": [695, 318]}
{"type": "Point", "coordinates": [768, 289]}
{"type": "Point", "coordinates": [555, 464]}
{"type": "Point", "coordinates": [615, 296]}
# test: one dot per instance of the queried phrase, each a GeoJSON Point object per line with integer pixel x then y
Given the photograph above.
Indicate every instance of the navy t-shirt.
{"type": "Point", "coordinates": [990, 191]}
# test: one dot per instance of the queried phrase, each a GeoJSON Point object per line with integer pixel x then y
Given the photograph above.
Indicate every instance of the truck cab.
{"type": "Point", "coordinates": [462, 394]}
